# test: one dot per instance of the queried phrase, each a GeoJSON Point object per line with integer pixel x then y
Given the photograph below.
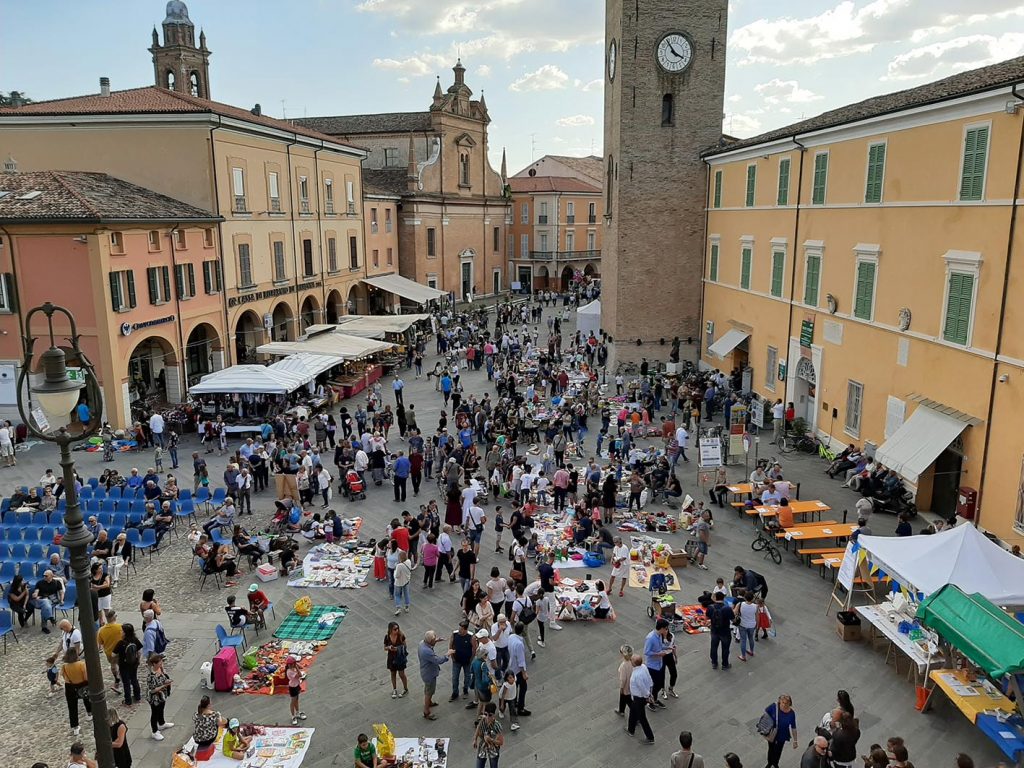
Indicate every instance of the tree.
{"type": "Point", "coordinates": [8, 99]}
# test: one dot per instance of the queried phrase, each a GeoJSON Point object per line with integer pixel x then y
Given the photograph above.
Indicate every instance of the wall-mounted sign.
{"type": "Point", "coordinates": [271, 293]}
{"type": "Point", "coordinates": [128, 328]}
{"type": "Point", "coordinates": [806, 333]}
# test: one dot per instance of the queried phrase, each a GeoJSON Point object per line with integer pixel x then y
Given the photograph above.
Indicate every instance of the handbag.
{"type": "Point", "coordinates": [768, 726]}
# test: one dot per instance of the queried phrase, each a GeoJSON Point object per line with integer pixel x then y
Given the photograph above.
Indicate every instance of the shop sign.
{"type": "Point", "coordinates": [271, 293]}
{"type": "Point", "coordinates": [806, 333]}
{"type": "Point", "coordinates": [128, 328]}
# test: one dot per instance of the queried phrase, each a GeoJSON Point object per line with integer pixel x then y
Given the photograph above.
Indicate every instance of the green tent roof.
{"type": "Point", "coordinates": [985, 634]}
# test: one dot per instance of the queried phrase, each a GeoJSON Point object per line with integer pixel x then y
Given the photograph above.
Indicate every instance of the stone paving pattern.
{"type": "Point", "coordinates": [572, 688]}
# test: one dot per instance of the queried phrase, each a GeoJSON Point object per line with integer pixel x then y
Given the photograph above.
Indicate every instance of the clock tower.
{"type": "Point", "coordinates": [664, 89]}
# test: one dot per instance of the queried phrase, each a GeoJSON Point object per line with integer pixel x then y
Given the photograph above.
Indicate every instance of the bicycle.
{"type": "Point", "coordinates": [804, 443]}
{"type": "Point", "coordinates": [766, 543]}
{"type": "Point", "coordinates": [825, 452]}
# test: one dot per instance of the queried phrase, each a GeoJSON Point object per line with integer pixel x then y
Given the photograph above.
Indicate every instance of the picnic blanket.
{"type": "Point", "coordinates": [340, 566]}
{"type": "Point", "coordinates": [575, 604]}
{"type": "Point", "coordinates": [321, 624]}
{"type": "Point", "coordinates": [266, 677]}
{"type": "Point", "coordinates": [640, 575]}
{"type": "Point", "coordinates": [422, 752]}
{"type": "Point", "coordinates": [696, 620]}
{"type": "Point", "coordinates": [270, 746]}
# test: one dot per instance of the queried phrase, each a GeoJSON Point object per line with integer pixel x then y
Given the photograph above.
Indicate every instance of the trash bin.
{"type": "Point", "coordinates": [848, 626]}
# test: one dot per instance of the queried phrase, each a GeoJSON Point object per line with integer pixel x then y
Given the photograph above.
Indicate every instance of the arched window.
{"type": "Point", "coordinates": [667, 114]}
{"type": "Point", "coordinates": [169, 79]}
{"type": "Point", "coordinates": [193, 84]}
{"type": "Point", "coordinates": [608, 186]}
{"type": "Point", "coordinates": [464, 169]}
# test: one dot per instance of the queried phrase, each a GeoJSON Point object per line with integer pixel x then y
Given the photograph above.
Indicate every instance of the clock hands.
{"type": "Point", "coordinates": [673, 48]}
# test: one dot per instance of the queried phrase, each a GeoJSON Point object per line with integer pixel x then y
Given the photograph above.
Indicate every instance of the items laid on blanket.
{"type": "Point", "coordinates": [263, 666]}
{"type": "Point", "coordinates": [320, 623]}
{"type": "Point", "coordinates": [577, 600]}
{"type": "Point", "coordinates": [341, 566]}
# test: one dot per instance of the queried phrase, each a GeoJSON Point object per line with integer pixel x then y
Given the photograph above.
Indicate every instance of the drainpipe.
{"type": "Point", "coordinates": [229, 345]}
{"type": "Point", "coordinates": [177, 309]}
{"type": "Point", "coordinates": [994, 382]}
{"type": "Point", "coordinates": [792, 271]}
{"type": "Point", "coordinates": [704, 263]}
{"type": "Point", "coordinates": [291, 217]}
{"type": "Point", "coordinates": [440, 160]}
{"type": "Point", "coordinates": [320, 233]}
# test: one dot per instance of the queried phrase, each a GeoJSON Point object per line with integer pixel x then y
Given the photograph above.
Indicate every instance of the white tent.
{"type": "Point", "coordinates": [962, 556]}
{"type": "Point", "coordinates": [588, 318]}
{"type": "Point", "coordinates": [305, 365]}
{"type": "Point", "coordinates": [338, 345]}
{"type": "Point", "coordinates": [248, 379]}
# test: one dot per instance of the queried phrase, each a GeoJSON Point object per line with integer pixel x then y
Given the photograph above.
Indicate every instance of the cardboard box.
{"type": "Point", "coordinates": [678, 560]}
{"type": "Point", "coordinates": [848, 626]}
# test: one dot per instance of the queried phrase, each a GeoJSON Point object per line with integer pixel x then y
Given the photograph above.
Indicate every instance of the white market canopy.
{"type": "Point", "coordinates": [337, 345]}
{"type": "Point", "coordinates": [962, 556]}
{"type": "Point", "coordinates": [247, 379]}
{"type": "Point", "coordinates": [357, 325]}
{"type": "Point", "coordinates": [588, 317]}
{"type": "Point", "coordinates": [930, 430]}
{"type": "Point", "coordinates": [305, 365]}
{"type": "Point", "coordinates": [404, 287]}
{"type": "Point", "coordinates": [728, 342]}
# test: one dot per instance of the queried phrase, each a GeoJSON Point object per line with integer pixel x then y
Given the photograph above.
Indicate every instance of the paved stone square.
{"type": "Point", "coordinates": [572, 689]}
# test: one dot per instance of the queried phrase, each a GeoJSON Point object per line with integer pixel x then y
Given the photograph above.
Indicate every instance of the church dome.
{"type": "Point", "coordinates": [177, 13]}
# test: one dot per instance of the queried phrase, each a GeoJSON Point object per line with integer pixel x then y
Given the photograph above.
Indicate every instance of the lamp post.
{"type": "Point", "coordinates": [53, 399]}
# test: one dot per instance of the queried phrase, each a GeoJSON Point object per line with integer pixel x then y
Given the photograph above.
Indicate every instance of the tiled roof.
{"type": "Point", "coordinates": [153, 100]}
{"type": "Point", "coordinates": [550, 184]}
{"type": "Point", "coordinates": [388, 181]}
{"type": "Point", "coordinates": [352, 125]}
{"type": "Point", "coordinates": [87, 197]}
{"type": "Point", "coordinates": [999, 75]}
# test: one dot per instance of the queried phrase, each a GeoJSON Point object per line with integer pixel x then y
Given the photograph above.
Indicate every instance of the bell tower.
{"type": "Point", "coordinates": [663, 98]}
{"type": "Point", "coordinates": [178, 64]}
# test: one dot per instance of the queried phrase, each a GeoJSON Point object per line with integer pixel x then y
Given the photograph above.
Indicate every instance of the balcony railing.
{"type": "Point", "coordinates": [570, 219]}
{"type": "Point", "coordinates": [563, 255]}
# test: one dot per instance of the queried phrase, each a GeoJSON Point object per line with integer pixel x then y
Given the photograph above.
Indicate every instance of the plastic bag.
{"type": "Point", "coordinates": [303, 606]}
{"type": "Point", "coordinates": [385, 740]}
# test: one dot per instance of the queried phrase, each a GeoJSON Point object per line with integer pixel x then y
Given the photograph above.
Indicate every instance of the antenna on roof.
{"type": "Point", "coordinates": [284, 114]}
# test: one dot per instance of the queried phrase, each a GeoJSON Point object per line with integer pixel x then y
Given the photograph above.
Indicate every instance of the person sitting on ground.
{"type": "Point", "coordinates": [235, 745]}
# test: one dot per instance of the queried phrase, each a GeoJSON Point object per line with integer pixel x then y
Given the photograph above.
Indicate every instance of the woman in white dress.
{"type": "Point", "coordinates": [620, 565]}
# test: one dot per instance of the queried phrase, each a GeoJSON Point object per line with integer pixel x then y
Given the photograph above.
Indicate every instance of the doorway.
{"type": "Point", "coordinates": [946, 481]}
{"type": "Point", "coordinates": [805, 390]}
{"type": "Point", "coordinates": [467, 280]}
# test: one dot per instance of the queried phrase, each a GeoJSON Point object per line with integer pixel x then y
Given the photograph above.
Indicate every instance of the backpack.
{"type": "Point", "coordinates": [130, 655]}
{"type": "Point", "coordinates": [719, 620]}
{"type": "Point", "coordinates": [159, 640]}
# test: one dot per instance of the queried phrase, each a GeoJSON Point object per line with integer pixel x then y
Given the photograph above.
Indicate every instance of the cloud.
{"type": "Point", "coordinates": [592, 85]}
{"type": "Point", "coordinates": [420, 65]}
{"type": "Point", "coordinates": [741, 125]}
{"type": "Point", "coordinates": [483, 71]}
{"type": "Point", "coordinates": [952, 56]}
{"type": "Point", "coordinates": [548, 78]}
{"type": "Point", "coordinates": [575, 121]}
{"type": "Point", "coordinates": [784, 92]}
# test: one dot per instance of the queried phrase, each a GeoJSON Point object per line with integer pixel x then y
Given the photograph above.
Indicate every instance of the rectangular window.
{"type": "Point", "coordinates": [211, 276]}
{"type": "Point", "coordinates": [329, 195]}
{"type": "Point", "coordinates": [244, 266]}
{"type": "Point", "coordinates": [570, 213]}
{"type": "Point", "coordinates": [959, 298]}
{"type": "Point", "coordinates": [273, 187]}
{"type": "Point", "coordinates": [180, 241]}
{"type": "Point", "coordinates": [570, 241]}
{"type": "Point", "coordinates": [524, 216]}
{"type": "Point", "coordinates": [812, 279]}
{"type": "Point", "coordinates": [116, 242]}
{"type": "Point", "coordinates": [496, 281]}
{"type": "Point", "coordinates": [353, 252]}
{"type": "Point", "coordinates": [185, 281]}
{"type": "Point", "coordinates": [778, 269]}
{"type": "Point", "coordinates": [820, 178]}
{"type": "Point", "coordinates": [524, 247]}
{"type": "Point", "coordinates": [350, 196]}
{"type": "Point", "coordinates": [122, 290]}
{"type": "Point", "coordinates": [376, 257]}
{"type": "Point", "coordinates": [280, 268]}
{"type": "Point", "coordinates": [387, 219]}
{"type": "Point", "coordinates": [713, 273]}
{"type": "Point", "coordinates": [390, 157]}
{"type": "Point", "coordinates": [154, 240]}
{"type": "Point", "coordinates": [591, 241]}
{"type": "Point", "coordinates": [751, 185]}
{"type": "Point", "coordinates": [972, 174]}
{"type": "Point", "coordinates": [876, 173]}
{"type": "Point", "coordinates": [373, 221]}
{"type": "Point", "coordinates": [717, 202]}
{"type": "Point", "coordinates": [304, 194]}
{"type": "Point", "coordinates": [238, 187]}
{"type": "Point", "coordinates": [854, 403]}
{"type": "Point", "coordinates": [159, 282]}
{"type": "Point", "coordinates": [431, 241]}
{"type": "Point", "coordinates": [543, 241]}
{"type": "Point", "coordinates": [391, 256]}
{"type": "Point", "coordinates": [783, 198]}
{"type": "Point", "coordinates": [542, 217]}
{"type": "Point", "coordinates": [592, 213]}
{"type": "Point", "coordinates": [496, 239]}
{"type": "Point", "coordinates": [746, 259]}
{"type": "Point", "coordinates": [771, 362]}
{"type": "Point", "coordinates": [864, 298]}
{"type": "Point", "coordinates": [208, 240]}
{"type": "Point", "coordinates": [307, 258]}
{"type": "Point", "coordinates": [332, 254]}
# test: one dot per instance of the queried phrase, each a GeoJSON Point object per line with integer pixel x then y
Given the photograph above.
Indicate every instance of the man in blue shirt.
{"type": "Point", "coordinates": [134, 480]}
{"type": "Point", "coordinates": [398, 386]}
{"type": "Point", "coordinates": [655, 650]}
{"type": "Point", "coordinates": [446, 387]}
{"type": "Point", "coordinates": [466, 437]}
{"type": "Point", "coordinates": [517, 666]}
{"type": "Point", "coordinates": [402, 468]}
{"type": "Point", "coordinates": [430, 668]}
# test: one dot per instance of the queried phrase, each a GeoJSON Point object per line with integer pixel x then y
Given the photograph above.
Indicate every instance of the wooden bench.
{"type": "Point", "coordinates": [819, 551]}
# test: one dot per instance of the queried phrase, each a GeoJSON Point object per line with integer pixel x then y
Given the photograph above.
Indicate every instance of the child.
{"type": "Point", "coordinates": [764, 619]}
{"type": "Point", "coordinates": [294, 675]}
{"type": "Point", "coordinates": [507, 697]}
{"type": "Point", "coordinates": [499, 527]}
{"type": "Point", "coordinates": [258, 603]}
{"type": "Point", "coordinates": [533, 547]}
{"type": "Point", "coordinates": [51, 674]}
{"type": "Point", "coordinates": [720, 588]}
{"type": "Point", "coordinates": [158, 459]}
{"type": "Point", "coordinates": [380, 566]}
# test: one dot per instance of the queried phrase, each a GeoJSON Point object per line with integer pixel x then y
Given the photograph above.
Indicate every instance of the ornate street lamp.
{"type": "Point", "coordinates": [54, 394]}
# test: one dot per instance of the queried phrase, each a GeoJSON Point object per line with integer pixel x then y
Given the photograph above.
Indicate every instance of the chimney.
{"type": "Point", "coordinates": [257, 110]}
{"type": "Point", "coordinates": [104, 86]}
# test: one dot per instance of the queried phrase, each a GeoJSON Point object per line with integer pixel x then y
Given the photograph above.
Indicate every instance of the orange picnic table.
{"type": "Point", "coordinates": [741, 489]}
{"type": "Point", "coordinates": [810, 507]}
{"type": "Point", "coordinates": [811, 531]}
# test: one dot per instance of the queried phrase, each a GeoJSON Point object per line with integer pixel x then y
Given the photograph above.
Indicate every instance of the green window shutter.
{"type": "Point", "coordinates": [865, 290]}
{"type": "Point", "coordinates": [714, 263]}
{"type": "Point", "coordinates": [154, 287]}
{"type": "Point", "coordinates": [958, 308]}
{"type": "Point", "coordinates": [811, 280]}
{"type": "Point", "coordinates": [718, 189]}
{"type": "Point", "coordinates": [820, 179]}
{"type": "Point", "coordinates": [876, 172]}
{"type": "Point", "coordinates": [165, 276]}
{"type": "Point", "coordinates": [751, 184]}
{"type": "Point", "coordinates": [778, 264]}
{"type": "Point", "coordinates": [190, 268]}
{"type": "Point", "coordinates": [745, 259]}
{"type": "Point", "coordinates": [115, 291]}
{"type": "Point", "coordinates": [207, 277]}
{"type": "Point", "coordinates": [783, 198]}
{"type": "Point", "coordinates": [972, 179]}
{"type": "Point", "coordinates": [179, 280]}
{"type": "Point", "coordinates": [130, 274]}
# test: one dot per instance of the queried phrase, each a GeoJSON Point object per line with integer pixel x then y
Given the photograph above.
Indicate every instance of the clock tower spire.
{"type": "Point", "coordinates": [664, 92]}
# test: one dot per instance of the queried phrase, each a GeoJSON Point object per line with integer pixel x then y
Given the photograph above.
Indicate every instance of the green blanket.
{"type": "Point", "coordinates": [296, 627]}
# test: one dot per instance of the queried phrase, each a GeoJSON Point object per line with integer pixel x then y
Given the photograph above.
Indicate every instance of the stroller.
{"type": "Point", "coordinates": [285, 521]}
{"type": "Point", "coordinates": [352, 486]}
{"type": "Point", "coordinates": [663, 604]}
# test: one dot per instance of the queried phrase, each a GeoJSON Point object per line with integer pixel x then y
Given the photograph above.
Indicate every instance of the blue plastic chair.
{"type": "Point", "coordinates": [94, 482]}
{"type": "Point", "coordinates": [7, 627]}
{"type": "Point", "coordinates": [92, 506]}
{"type": "Point", "coordinates": [147, 543]}
{"type": "Point", "coordinates": [224, 640]}
{"type": "Point", "coordinates": [39, 519]}
{"type": "Point", "coordinates": [114, 492]}
{"type": "Point", "coordinates": [202, 570]}
{"type": "Point", "coordinates": [185, 509]}
{"type": "Point", "coordinates": [86, 493]}
{"type": "Point", "coordinates": [57, 519]}
{"type": "Point", "coordinates": [219, 495]}
{"type": "Point", "coordinates": [23, 519]}
{"type": "Point", "coordinates": [184, 495]}
{"type": "Point", "coordinates": [36, 552]}
{"type": "Point", "coordinates": [70, 600]}
{"type": "Point", "coordinates": [28, 571]}
{"type": "Point", "coordinates": [54, 549]}
{"type": "Point", "coordinates": [30, 533]}
{"type": "Point", "coordinates": [46, 534]}
{"type": "Point", "coordinates": [19, 551]}
{"type": "Point", "coordinates": [8, 569]}
{"type": "Point", "coordinates": [202, 496]}
{"type": "Point", "coordinates": [134, 537]}
{"type": "Point", "coordinates": [114, 531]}
{"type": "Point", "coordinates": [62, 504]}
{"type": "Point", "coordinates": [109, 506]}
{"type": "Point", "coordinates": [119, 520]}
{"type": "Point", "coordinates": [9, 533]}
{"type": "Point", "coordinates": [135, 517]}
{"type": "Point", "coordinates": [137, 505]}
{"type": "Point", "coordinates": [4, 506]}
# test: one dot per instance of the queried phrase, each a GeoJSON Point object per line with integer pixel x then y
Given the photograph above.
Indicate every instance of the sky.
{"type": "Point", "coordinates": [540, 62]}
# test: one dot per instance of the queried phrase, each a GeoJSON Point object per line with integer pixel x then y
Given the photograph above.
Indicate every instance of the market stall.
{"type": "Point", "coordinates": [247, 379]}
{"type": "Point", "coordinates": [245, 395]}
{"type": "Point", "coordinates": [588, 318]}
{"type": "Point", "coordinates": [306, 365]}
{"type": "Point", "coordinates": [406, 288]}
{"type": "Point", "coordinates": [269, 746]}
{"type": "Point", "coordinates": [355, 374]}
{"type": "Point", "coordinates": [983, 647]}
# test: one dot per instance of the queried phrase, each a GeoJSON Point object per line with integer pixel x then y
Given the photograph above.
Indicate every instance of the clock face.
{"type": "Point", "coordinates": [674, 52]}
{"type": "Point", "coordinates": [613, 52]}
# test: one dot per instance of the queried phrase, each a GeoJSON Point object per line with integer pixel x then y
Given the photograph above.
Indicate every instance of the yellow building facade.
{"type": "Point", "coordinates": [863, 265]}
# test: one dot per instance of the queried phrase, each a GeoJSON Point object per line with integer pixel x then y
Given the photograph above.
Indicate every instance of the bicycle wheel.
{"type": "Point", "coordinates": [776, 555]}
{"type": "Point", "coordinates": [758, 544]}
{"type": "Point", "coordinates": [785, 444]}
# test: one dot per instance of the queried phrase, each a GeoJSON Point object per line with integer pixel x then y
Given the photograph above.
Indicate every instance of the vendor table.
{"type": "Point", "coordinates": [972, 699]}
{"type": "Point", "coordinates": [348, 386]}
{"type": "Point", "coordinates": [827, 529]}
{"type": "Point", "coordinates": [1008, 735]}
{"type": "Point", "coordinates": [878, 618]}
{"type": "Point", "coordinates": [813, 507]}
{"type": "Point", "coordinates": [236, 429]}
